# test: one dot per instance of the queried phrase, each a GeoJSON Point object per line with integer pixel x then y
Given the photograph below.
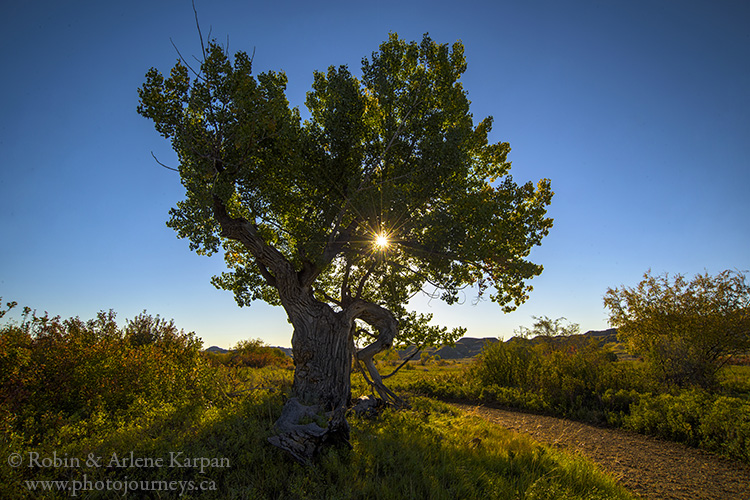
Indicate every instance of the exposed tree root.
{"type": "Point", "coordinates": [301, 434]}
{"type": "Point", "coordinates": [368, 407]}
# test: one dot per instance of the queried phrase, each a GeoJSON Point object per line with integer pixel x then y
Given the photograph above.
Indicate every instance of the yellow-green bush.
{"type": "Point", "coordinates": [567, 378]}
{"type": "Point", "coordinates": [55, 371]}
{"type": "Point", "coordinates": [250, 353]}
{"type": "Point", "coordinates": [695, 417]}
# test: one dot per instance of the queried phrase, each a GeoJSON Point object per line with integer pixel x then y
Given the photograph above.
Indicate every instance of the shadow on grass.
{"type": "Point", "coordinates": [431, 451]}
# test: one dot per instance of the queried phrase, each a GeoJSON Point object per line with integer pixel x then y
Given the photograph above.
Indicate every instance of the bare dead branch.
{"type": "Point", "coordinates": [163, 165]}
{"type": "Point", "coordinates": [200, 35]}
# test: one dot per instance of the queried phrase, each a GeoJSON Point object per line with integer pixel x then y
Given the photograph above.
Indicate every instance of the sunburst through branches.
{"type": "Point", "coordinates": [381, 241]}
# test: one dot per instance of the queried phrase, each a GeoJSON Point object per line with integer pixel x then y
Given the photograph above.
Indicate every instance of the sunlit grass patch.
{"type": "Point", "coordinates": [435, 451]}
{"type": "Point", "coordinates": [736, 380]}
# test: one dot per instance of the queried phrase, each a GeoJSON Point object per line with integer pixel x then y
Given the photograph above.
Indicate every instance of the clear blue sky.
{"type": "Point", "coordinates": [638, 111]}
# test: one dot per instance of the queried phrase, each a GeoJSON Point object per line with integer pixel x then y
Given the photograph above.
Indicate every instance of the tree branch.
{"type": "Point", "coordinates": [163, 165]}
{"type": "Point", "coordinates": [270, 279]}
{"type": "Point", "coordinates": [328, 297]}
{"type": "Point", "coordinates": [277, 267]}
{"type": "Point", "coordinates": [184, 61]}
{"type": "Point", "coordinates": [387, 326]}
{"type": "Point", "coordinates": [200, 35]}
{"type": "Point", "coordinates": [408, 358]}
{"type": "Point", "coordinates": [364, 279]}
{"type": "Point", "coordinates": [346, 293]}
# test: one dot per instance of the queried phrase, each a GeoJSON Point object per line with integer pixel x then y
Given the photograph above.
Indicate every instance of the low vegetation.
{"type": "Point", "coordinates": [72, 390]}
{"type": "Point", "coordinates": [581, 379]}
{"type": "Point", "coordinates": [54, 372]}
{"type": "Point", "coordinates": [689, 380]}
{"type": "Point", "coordinates": [250, 353]}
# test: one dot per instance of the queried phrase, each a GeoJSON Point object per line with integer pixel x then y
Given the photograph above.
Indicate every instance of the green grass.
{"type": "Point", "coordinates": [736, 380]}
{"type": "Point", "coordinates": [412, 373]}
{"type": "Point", "coordinates": [428, 451]}
{"type": "Point", "coordinates": [434, 451]}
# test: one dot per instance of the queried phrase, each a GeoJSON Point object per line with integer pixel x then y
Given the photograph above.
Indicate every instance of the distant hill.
{"type": "Point", "coordinates": [468, 347]}
{"type": "Point", "coordinates": [609, 335]}
{"type": "Point", "coordinates": [604, 336]}
{"type": "Point", "coordinates": [221, 350]}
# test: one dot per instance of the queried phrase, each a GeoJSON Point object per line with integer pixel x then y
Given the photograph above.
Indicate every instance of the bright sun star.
{"type": "Point", "coordinates": [381, 241]}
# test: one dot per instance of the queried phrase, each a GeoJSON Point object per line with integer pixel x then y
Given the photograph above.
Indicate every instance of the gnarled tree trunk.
{"type": "Point", "coordinates": [322, 347]}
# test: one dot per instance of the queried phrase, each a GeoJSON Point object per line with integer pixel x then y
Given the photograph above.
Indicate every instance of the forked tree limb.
{"type": "Point", "coordinates": [385, 323]}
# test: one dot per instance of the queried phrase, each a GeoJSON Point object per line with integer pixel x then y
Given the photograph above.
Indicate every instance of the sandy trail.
{"type": "Point", "coordinates": [648, 467]}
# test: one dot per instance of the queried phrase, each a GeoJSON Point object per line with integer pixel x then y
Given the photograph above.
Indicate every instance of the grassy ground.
{"type": "Point", "coordinates": [736, 379]}
{"type": "Point", "coordinates": [428, 451]}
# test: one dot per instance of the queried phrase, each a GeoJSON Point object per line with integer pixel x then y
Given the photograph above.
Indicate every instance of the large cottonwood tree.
{"type": "Point", "coordinates": [390, 188]}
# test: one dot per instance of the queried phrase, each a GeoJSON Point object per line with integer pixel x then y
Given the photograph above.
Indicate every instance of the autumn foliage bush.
{"type": "Point", "coordinates": [54, 371]}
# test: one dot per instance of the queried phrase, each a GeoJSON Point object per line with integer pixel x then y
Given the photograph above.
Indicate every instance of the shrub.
{"type": "Point", "coordinates": [251, 353]}
{"type": "Point", "coordinates": [686, 330]}
{"type": "Point", "coordinates": [504, 364]}
{"type": "Point", "coordinates": [697, 418]}
{"type": "Point", "coordinates": [54, 371]}
{"type": "Point", "coordinates": [725, 427]}
{"type": "Point", "coordinates": [425, 358]}
{"type": "Point", "coordinates": [569, 376]}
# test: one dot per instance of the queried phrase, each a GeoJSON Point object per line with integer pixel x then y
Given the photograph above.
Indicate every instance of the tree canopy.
{"type": "Point", "coordinates": [686, 329]}
{"type": "Point", "coordinates": [393, 154]}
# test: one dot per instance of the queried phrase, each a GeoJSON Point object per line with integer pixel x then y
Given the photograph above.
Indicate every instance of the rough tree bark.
{"type": "Point", "coordinates": [315, 416]}
{"type": "Point", "coordinates": [323, 348]}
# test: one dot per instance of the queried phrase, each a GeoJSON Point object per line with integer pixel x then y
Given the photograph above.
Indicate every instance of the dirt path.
{"type": "Point", "coordinates": [648, 467]}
